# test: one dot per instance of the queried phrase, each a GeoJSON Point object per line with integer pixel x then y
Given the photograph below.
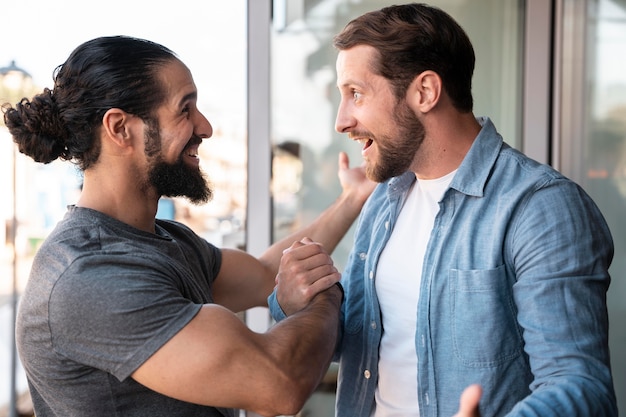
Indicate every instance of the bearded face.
{"type": "Point", "coordinates": [397, 149]}
{"type": "Point", "coordinates": [176, 179]}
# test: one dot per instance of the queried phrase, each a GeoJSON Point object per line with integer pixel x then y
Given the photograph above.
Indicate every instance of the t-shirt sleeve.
{"type": "Point", "coordinates": [113, 311]}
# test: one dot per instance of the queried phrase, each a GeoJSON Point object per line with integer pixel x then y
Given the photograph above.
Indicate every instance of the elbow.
{"type": "Point", "coordinates": [290, 406]}
{"type": "Point", "coordinates": [295, 395]}
{"type": "Point", "coordinates": [288, 396]}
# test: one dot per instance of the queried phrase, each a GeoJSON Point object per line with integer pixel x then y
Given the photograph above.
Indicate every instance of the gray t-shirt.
{"type": "Point", "coordinates": [102, 297]}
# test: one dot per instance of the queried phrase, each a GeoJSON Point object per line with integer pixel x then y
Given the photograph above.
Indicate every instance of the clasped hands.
{"type": "Point", "coordinates": [305, 270]}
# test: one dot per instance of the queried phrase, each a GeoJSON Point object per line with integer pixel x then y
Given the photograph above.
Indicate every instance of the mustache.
{"type": "Point", "coordinates": [194, 140]}
{"type": "Point", "coordinates": [360, 134]}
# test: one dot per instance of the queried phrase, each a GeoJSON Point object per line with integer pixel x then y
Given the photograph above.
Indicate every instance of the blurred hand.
{"type": "Point", "coordinates": [305, 270]}
{"type": "Point", "coordinates": [353, 180]}
{"type": "Point", "coordinates": [468, 406]}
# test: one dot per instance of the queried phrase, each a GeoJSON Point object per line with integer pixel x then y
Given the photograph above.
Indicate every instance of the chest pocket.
{"type": "Point", "coordinates": [483, 315]}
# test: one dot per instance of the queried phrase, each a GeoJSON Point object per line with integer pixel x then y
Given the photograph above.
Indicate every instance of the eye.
{"type": "Point", "coordinates": [187, 110]}
{"type": "Point", "coordinates": [356, 95]}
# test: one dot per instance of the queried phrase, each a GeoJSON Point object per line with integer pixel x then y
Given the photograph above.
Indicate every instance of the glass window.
{"type": "Point", "coordinates": [305, 97]}
{"type": "Point", "coordinates": [304, 100]}
{"type": "Point", "coordinates": [593, 132]}
{"type": "Point", "coordinates": [209, 37]}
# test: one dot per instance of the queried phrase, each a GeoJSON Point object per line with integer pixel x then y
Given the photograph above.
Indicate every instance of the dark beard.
{"type": "Point", "coordinates": [177, 179]}
{"type": "Point", "coordinates": [180, 180]}
{"type": "Point", "coordinates": [396, 155]}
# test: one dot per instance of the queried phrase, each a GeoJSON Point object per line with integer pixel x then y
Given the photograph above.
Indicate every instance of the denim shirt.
{"type": "Point", "coordinates": [513, 293]}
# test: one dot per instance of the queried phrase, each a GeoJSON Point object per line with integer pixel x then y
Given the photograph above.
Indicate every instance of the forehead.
{"type": "Point", "coordinates": [354, 69]}
{"type": "Point", "coordinates": [177, 82]}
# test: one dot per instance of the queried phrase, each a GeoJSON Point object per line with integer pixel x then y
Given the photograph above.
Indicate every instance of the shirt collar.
{"type": "Point", "coordinates": [474, 170]}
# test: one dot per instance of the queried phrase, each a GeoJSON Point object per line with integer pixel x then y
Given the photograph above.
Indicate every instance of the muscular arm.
{"type": "Point", "coordinates": [215, 360]}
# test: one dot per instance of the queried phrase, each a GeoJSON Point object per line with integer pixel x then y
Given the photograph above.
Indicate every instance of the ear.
{"type": "Point", "coordinates": [425, 91]}
{"type": "Point", "coordinates": [118, 127]}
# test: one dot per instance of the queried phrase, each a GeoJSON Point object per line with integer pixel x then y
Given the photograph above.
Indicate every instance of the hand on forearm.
{"type": "Point", "coordinates": [305, 270]}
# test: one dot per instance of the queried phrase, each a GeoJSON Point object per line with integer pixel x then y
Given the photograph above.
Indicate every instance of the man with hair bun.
{"type": "Point", "coordinates": [128, 315]}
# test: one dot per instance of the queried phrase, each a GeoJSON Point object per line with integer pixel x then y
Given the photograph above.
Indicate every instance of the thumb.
{"type": "Point", "coordinates": [344, 161]}
{"type": "Point", "coordinates": [470, 398]}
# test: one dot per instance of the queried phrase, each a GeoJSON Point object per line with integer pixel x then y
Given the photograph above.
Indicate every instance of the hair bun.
{"type": "Point", "coordinates": [36, 128]}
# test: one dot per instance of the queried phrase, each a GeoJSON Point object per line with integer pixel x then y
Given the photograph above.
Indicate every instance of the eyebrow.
{"type": "Point", "coordinates": [352, 84]}
{"type": "Point", "coordinates": [188, 97]}
{"type": "Point", "coordinates": [345, 83]}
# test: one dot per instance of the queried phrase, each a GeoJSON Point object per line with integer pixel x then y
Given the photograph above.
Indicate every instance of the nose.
{"type": "Point", "coordinates": [203, 128]}
{"type": "Point", "coordinates": [344, 121]}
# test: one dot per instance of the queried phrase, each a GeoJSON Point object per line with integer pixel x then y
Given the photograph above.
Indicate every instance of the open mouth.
{"type": "Point", "coordinates": [364, 138]}
{"type": "Point", "coordinates": [190, 154]}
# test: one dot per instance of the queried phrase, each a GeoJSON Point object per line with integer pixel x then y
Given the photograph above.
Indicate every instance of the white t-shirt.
{"type": "Point", "coordinates": [398, 281]}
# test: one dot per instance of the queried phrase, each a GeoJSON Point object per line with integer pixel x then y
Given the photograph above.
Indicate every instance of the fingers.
{"type": "Point", "coordinates": [344, 161]}
{"type": "Point", "coordinates": [300, 243]}
{"type": "Point", "coordinates": [306, 250]}
{"type": "Point", "coordinates": [305, 270]}
{"type": "Point", "coordinates": [306, 262]}
{"type": "Point", "coordinates": [470, 398]}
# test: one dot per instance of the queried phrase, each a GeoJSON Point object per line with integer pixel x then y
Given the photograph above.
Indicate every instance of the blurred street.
{"type": "Point", "coordinates": [6, 329]}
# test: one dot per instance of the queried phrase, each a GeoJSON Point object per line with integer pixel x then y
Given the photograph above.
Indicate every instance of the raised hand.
{"type": "Point", "coordinates": [354, 180]}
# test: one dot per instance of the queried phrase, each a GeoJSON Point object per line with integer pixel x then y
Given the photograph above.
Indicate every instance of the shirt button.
{"type": "Point", "coordinates": [362, 255]}
{"type": "Point", "coordinates": [387, 225]}
{"type": "Point", "coordinates": [371, 274]}
{"type": "Point", "coordinates": [367, 374]}
{"type": "Point", "coordinates": [374, 325]}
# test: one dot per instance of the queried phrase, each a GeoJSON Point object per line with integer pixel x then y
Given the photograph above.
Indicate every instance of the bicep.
{"type": "Point", "coordinates": [204, 363]}
{"type": "Point", "coordinates": [243, 281]}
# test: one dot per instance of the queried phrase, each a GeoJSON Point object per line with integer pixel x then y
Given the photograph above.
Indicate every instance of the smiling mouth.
{"type": "Point", "coordinates": [191, 150]}
{"type": "Point", "coordinates": [365, 143]}
{"type": "Point", "coordinates": [363, 138]}
{"type": "Point", "coordinates": [190, 155]}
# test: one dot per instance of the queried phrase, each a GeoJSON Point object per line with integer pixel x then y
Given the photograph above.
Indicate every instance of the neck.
{"type": "Point", "coordinates": [119, 200]}
{"type": "Point", "coordinates": [447, 141]}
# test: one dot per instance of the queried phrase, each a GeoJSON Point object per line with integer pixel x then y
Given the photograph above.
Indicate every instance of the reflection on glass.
{"type": "Point", "coordinates": [305, 100]}
{"type": "Point", "coordinates": [602, 166]}
{"type": "Point", "coordinates": [305, 97]}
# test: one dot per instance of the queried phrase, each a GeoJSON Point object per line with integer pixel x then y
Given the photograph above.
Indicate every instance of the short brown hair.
{"type": "Point", "coordinates": [411, 39]}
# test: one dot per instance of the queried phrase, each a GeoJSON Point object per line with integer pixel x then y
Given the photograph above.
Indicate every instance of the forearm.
{"type": "Point", "coordinates": [270, 373]}
{"type": "Point", "coordinates": [327, 229]}
{"type": "Point", "coordinates": [303, 344]}
{"type": "Point", "coordinates": [573, 397]}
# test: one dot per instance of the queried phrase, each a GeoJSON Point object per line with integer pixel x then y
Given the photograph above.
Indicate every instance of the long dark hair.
{"type": "Point", "coordinates": [103, 73]}
{"type": "Point", "coordinates": [411, 39]}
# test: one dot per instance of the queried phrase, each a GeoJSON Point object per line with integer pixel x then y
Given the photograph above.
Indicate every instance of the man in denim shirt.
{"type": "Point", "coordinates": [472, 264]}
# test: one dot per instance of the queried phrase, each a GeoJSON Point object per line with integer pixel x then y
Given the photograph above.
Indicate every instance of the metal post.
{"type": "Point", "coordinates": [15, 83]}
{"type": "Point", "coordinates": [13, 397]}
